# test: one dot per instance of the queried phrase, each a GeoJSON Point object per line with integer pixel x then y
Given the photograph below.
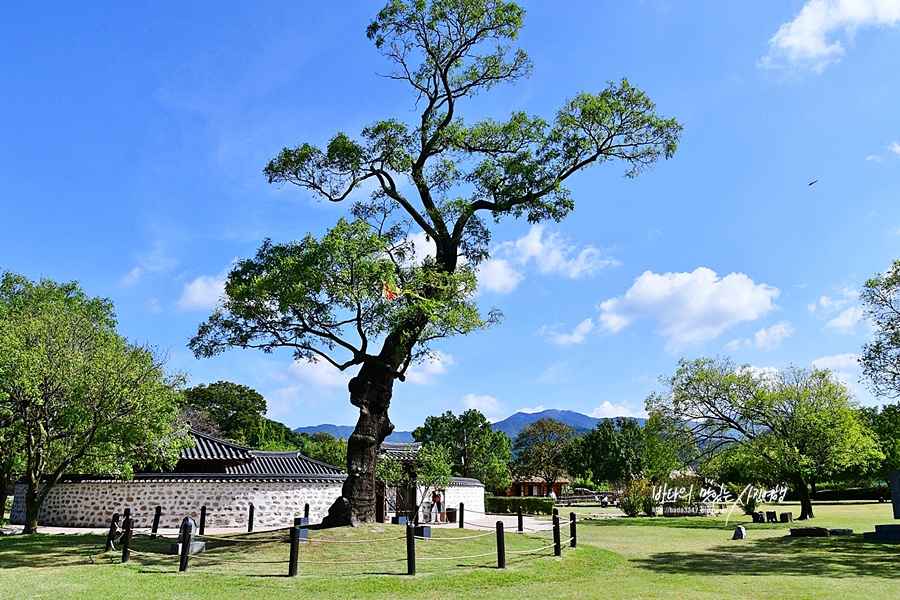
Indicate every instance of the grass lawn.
{"type": "Point", "coordinates": [615, 558]}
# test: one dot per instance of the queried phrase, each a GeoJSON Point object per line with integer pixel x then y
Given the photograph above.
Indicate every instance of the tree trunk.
{"type": "Point", "coordinates": [806, 508]}
{"type": "Point", "coordinates": [32, 506]}
{"type": "Point", "coordinates": [371, 391]}
{"type": "Point", "coordinates": [5, 476]}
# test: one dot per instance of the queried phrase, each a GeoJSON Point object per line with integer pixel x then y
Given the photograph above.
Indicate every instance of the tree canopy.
{"type": "Point", "coordinates": [541, 449]}
{"type": "Point", "coordinates": [82, 398]}
{"type": "Point", "coordinates": [881, 356]}
{"type": "Point", "coordinates": [358, 296]}
{"type": "Point", "coordinates": [796, 422]}
{"type": "Point", "coordinates": [476, 449]}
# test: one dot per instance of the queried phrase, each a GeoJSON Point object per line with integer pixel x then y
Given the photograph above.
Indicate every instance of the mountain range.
{"type": "Point", "coordinates": [511, 425]}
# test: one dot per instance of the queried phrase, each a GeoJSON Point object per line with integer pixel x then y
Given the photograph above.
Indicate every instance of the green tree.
{"type": "Point", "coordinates": [880, 359]}
{"type": "Point", "coordinates": [476, 449]}
{"type": "Point", "coordinates": [357, 298]}
{"type": "Point", "coordinates": [885, 424]}
{"type": "Point", "coordinates": [799, 422]}
{"type": "Point", "coordinates": [237, 409]}
{"type": "Point", "coordinates": [83, 398]}
{"type": "Point", "coordinates": [326, 448]}
{"type": "Point", "coordinates": [541, 449]}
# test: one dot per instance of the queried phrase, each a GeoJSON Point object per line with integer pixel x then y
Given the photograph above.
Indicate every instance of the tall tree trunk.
{"type": "Point", "coordinates": [806, 508]}
{"type": "Point", "coordinates": [371, 391]}
{"type": "Point", "coordinates": [32, 506]}
{"type": "Point", "coordinates": [5, 477]}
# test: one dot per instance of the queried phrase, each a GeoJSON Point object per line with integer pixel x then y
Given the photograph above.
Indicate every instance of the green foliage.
{"type": "Point", "coordinates": [531, 505]}
{"type": "Point", "coordinates": [475, 448]}
{"type": "Point", "coordinates": [885, 424]}
{"type": "Point", "coordinates": [541, 449]}
{"type": "Point", "coordinates": [325, 448]}
{"type": "Point", "coordinates": [749, 504]}
{"type": "Point", "coordinates": [799, 423]}
{"type": "Point", "coordinates": [880, 359]}
{"type": "Point", "coordinates": [430, 470]}
{"type": "Point", "coordinates": [236, 409]}
{"type": "Point", "coordinates": [83, 399]}
{"type": "Point", "coordinates": [636, 496]}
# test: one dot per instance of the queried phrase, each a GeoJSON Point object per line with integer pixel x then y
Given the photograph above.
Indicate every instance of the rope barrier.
{"type": "Point", "coordinates": [454, 539]}
{"type": "Point", "coordinates": [530, 551]}
{"type": "Point", "coordinates": [351, 562]}
{"type": "Point", "coordinates": [320, 541]}
{"type": "Point", "coordinates": [494, 553]}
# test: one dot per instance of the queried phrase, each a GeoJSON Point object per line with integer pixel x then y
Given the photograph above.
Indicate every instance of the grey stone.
{"type": "Point", "coordinates": [885, 533]}
{"type": "Point", "coordinates": [840, 531]}
{"type": "Point", "coordinates": [809, 532]}
{"type": "Point", "coordinates": [894, 476]}
{"type": "Point", "coordinates": [739, 533]}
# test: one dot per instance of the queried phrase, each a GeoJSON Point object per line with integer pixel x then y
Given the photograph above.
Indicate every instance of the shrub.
{"type": "Point", "coordinates": [635, 496]}
{"type": "Point", "coordinates": [749, 504]}
{"type": "Point", "coordinates": [532, 505]}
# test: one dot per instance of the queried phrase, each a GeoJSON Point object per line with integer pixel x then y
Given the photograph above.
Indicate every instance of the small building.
{"type": "Point", "coordinates": [536, 486]}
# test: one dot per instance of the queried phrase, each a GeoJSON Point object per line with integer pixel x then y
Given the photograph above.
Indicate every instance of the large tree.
{"type": "Point", "coordinates": [541, 449]}
{"type": "Point", "coordinates": [476, 449]}
{"type": "Point", "coordinates": [82, 397]}
{"type": "Point", "coordinates": [881, 356]}
{"type": "Point", "coordinates": [359, 298]}
{"type": "Point", "coordinates": [799, 423]}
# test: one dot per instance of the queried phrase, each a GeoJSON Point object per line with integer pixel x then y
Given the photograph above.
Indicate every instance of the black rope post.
{"type": "Point", "coordinates": [557, 546]}
{"type": "Point", "coordinates": [126, 514]}
{"type": "Point", "coordinates": [501, 546]}
{"type": "Point", "coordinates": [202, 529]}
{"type": "Point", "coordinates": [573, 543]}
{"type": "Point", "coordinates": [521, 527]}
{"type": "Point", "coordinates": [111, 536]}
{"type": "Point", "coordinates": [185, 537]}
{"type": "Point", "coordinates": [410, 550]}
{"type": "Point", "coordinates": [306, 511]}
{"type": "Point", "coordinates": [555, 512]}
{"type": "Point", "coordinates": [127, 526]}
{"type": "Point", "coordinates": [462, 515]}
{"type": "Point", "coordinates": [250, 519]}
{"type": "Point", "coordinates": [156, 514]}
{"type": "Point", "coordinates": [295, 551]}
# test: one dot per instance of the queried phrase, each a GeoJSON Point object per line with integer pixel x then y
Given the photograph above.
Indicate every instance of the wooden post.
{"type": "Point", "coordinates": [202, 529]}
{"type": "Point", "coordinates": [306, 511]}
{"type": "Point", "coordinates": [127, 525]}
{"type": "Point", "coordinates": [573, 543]}
{"type": "Point", "coordinates": [295, 551]}
{"type": "Point", "coordinates": [185, 537]}
{"type": "Point", "coordinates": [410, 550]}
{"type": "Point", "coordinates": [555, 512]}
{"type": "Point", "coordinates": [126, 514]}
{"type": "Point", "coordinates": [462, 515]}
{"type": "Point", "coordinates": [501, 546]}
{"type": "Point", "coordinates": [557, 546]}
{"type": "Point", "coordinates": [521, 527]}
{"type": "Point", "coordinates": [111, 536]}
{"type": "Point", "coordinates": [156, 514]}
{"type": "Point", "coordinates": [250, 519]}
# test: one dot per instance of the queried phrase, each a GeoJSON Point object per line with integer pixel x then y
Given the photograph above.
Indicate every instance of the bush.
{"type": "Point", "coordinates": [636, 496]}
{"type": "Point", "coordinates": [532, 505]}
{"type": "Point", "coordinates": [749, 505]}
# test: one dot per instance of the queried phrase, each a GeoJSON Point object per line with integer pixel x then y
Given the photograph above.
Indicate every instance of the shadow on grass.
{"type": "Point", "coordinates": [844, 556]}
{"type": "Point", "coordinates": [687, 523]}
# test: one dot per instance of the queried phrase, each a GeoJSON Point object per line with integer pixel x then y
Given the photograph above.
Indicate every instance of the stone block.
{"type": "Point", "coordinates": [175, 547]}
{"type": "Point", "coordinates": [423, 531]}
{"type": "Point", "coordinates": [809, 532]}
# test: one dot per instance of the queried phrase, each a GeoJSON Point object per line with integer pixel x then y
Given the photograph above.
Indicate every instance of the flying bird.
{"type": "Point", "coordinates": [812, 182]}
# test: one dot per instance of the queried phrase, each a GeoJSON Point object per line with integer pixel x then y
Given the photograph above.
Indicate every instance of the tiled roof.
{"type": "Point", "coordinates": [400, 451]}
{"type": "Point", "coordinates": [207, 447]}
{"type": "Point", "coordinates": [282, 463]}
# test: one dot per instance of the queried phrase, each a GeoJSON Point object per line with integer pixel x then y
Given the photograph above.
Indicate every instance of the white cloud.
{"type": "Point", "coordinates": [203, 293]}
{"type": "Point", "coordinates": [804, 41]}
{"type": "Point", "coordinates": [497, 275]}
{"type": "Point", "coordinates": [837, 361]}
{"type": "Point", "coordinates": [281, 401]}
{"type": "Point", "coordinates": [133, 276]}
{"type": "Point", "coordinates": [486, 405]}
{"type": "Point", "coordinates": [578, 335]}
{"type": "Point", "coordinates": [846, 321]}
{"type": "Point", "coordinates": [689, 307]}
{"type": "Point", "coordinates": [154, 306]}
{"type": "Point", "coordinates": [423, 245]}
{"type": "Point", "coordinates": [547, 251]}
{"type": "Point", "coordinates": [873, 157]}
{"type": "Point", "coordinates": [556, 373]}
{"type": "Point", "coordinates": [767, 339]}
{"type": "Point", "coordinates": [536, 409]}
{"type": "Point", "coordinates": [427, 371]}
{"type": "Point", "coordinates": [319, 374]}
{"type": "Point", "coordinates": [608, 410]}
{"type": "Point", "coordinates": [895, 148]}
{"type": "Point", "coordinates": [771, 338]}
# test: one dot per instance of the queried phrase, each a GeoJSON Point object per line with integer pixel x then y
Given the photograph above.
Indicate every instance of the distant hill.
{"type": "Point", "coordinates": [511, 425]}
{"type": "Point", "coordinates": [344, 431]}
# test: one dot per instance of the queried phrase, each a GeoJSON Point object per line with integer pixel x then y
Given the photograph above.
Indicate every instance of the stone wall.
{"type": "Point", "coordinates": [92, 503]}
{"type": "Point", "coordinates": [471, 494]}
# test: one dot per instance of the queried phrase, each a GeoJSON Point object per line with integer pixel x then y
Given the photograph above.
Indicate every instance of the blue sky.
{"type": "Point", "coordinates": [134, 137]}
